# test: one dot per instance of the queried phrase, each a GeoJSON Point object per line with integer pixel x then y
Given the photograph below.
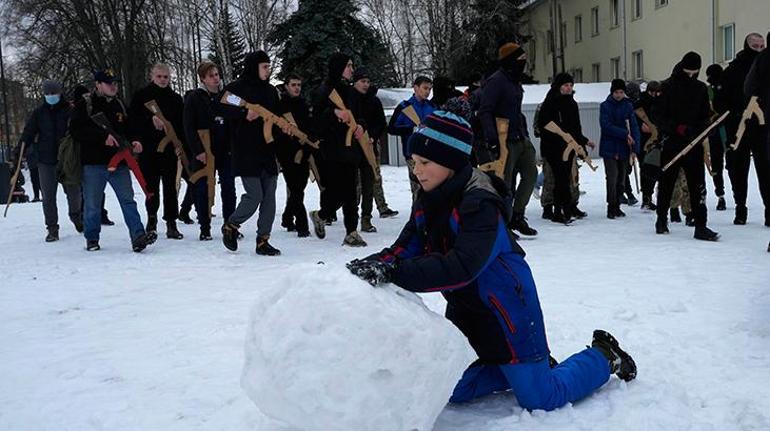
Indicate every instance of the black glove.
{"type": "Point", "coordinates": [374, 272]}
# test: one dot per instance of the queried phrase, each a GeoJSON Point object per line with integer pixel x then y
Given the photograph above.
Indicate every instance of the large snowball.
{"type": "Point", "coordinates": [326, 351]}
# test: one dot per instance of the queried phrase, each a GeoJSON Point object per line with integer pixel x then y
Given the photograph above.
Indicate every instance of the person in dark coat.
{"type": "Point", "coordinates": [203, 111]}
{"type": "Point", "coordinates": [340, 161]}
{"type": "Point", "coordinates": [560, 107]}
{"type": "Point", "coordinates": [149, 130]}
{"type": "Point", "coordinates": [685, 113]}
{"type": "Point", "coordinates": [97, 150]}
{"type": "Point", "coordinates": [45, 128]}
{"type": "Point", "coordinates": [718, 137]}
{"type": "Point", "coordinates": [294, 158]}
{"type": "Point", "coordinates": [649, 171]}
{"type": "Point", "coordinates": [253, 158]}
{"type": "Point", "coordinates": [619, 141]}
{"type": "Point", "coordinates": [502, 97]}
{"type": "Point", "coordinates": [456, 242]}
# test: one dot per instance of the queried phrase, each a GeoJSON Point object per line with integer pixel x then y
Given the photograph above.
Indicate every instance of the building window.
{"type": "Point", "coordinates": [577, 74]}
{"type": "Point", "coordinates": [578, 28]}
{"type": "Point", "coordinates": [615, 67]}
{"type": "Point", "coordinates": [728, 42]}
{"type": "Point", "coordinates": [637, 6]}
{"type": "Point", "coordinates": [661, 3]}
{"type": "Point", "coordinates": [614, 13]}
{"type": "Point", "coordinates": [596, 72]}
{"type": "Point", "coordinates": [595, 21]}
{"type": "Point", "coordinates": [638, 64]}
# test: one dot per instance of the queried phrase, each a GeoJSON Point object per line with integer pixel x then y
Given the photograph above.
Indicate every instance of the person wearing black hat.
{"type": "Point", "coordinates": [45, 128]}
{"type": "Point", "coordinates": [758, 84]}
{"type": "Point", "coordinates": [149, 130]}
{"type": "Point", "coordinates": [560, 107]}
{"type": "Point", "coordinates": [501, 97]}
{"type": "Point", "coordinates": [752, 143]}
{"type": "Point", "coordinates": [456, 242]}
{"type": "Point", "coordinates": [685, 113]}
{"type": "Point", "coordinates": [97, 148]}
{"type": "Point", "coordinates": [340, 161]}
{"type": "Point", "coordinates": [619, 143]}
{"type": "Point", "coordinates": [717, 138]}
{"type": "Point", "coordinates": [254, 160]}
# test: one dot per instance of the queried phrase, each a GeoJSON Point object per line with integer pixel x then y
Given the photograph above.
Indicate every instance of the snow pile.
{"type": "Point", "coordinates": [326, 351]}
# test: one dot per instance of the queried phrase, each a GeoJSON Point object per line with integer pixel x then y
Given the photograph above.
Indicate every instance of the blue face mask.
{"type": "Point", "coordinates": [52, 99]}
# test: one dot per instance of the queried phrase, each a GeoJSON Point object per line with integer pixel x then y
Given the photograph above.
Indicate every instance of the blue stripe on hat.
{"type": "Point", "coordinates": [445, 139]}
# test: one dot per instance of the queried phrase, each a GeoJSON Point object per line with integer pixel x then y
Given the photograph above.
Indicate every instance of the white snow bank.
{"type": "Point", "coordinates": [326, 351]}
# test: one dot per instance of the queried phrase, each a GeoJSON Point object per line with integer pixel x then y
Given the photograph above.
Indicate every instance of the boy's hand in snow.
{"type": "Point", "coordinates": [374, 272]}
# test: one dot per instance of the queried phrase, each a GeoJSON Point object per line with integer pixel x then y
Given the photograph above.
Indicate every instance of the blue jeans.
{"type": "Point", "coordinates": [535, 385]}
{"type": "Point", "coordinates": [95, 179]}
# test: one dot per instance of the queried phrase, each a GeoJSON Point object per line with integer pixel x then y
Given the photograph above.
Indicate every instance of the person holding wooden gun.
{"type": "Point", "coordinates": [150, 130]}
{"type": "Point", "coordinates": [646, 114]}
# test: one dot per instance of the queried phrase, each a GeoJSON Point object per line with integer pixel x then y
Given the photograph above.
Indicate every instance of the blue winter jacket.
{"type": "Point", "coordinates": [612, 118]}
{"type": "Point", "coordinates": [456, 242]}
{"type": "Point", "coordinates": [401, 125]}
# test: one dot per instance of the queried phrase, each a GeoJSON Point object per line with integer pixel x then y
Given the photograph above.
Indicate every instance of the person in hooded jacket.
{"type": "Point", "coordinates": [685, 113]}
{"type": "Point", "coordinates": [340, 161]}
{"type": "Point", "coordinates": [203, 111]}
{"type": "Point", "coordinates": [619, 142]}
{"type": "Point", "coordinates": [502, 97]}
{"type": "Point", "coordinates": [649, 172]}
{"type": "Point", "coordinates": [457, 242]}
{"type": "Point", "coordinates": [149, 130]}
{"type": "Point", "coordinates": [560, 107]}
{"type": "Point", "coordinates": [718, 137]}
{"type": "Point", "coordinates": [752, 143]}
{"type": "Point", "coordinates": [253, 159]}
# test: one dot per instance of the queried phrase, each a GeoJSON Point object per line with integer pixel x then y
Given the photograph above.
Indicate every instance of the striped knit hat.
{"type": "Point", "coordinates": [444, 138]}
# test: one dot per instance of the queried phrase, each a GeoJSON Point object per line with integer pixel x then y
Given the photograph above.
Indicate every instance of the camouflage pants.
{"type": "Point", "coordinates": [549, 183]}
{"type": "Point", "coordinates": [681, 196]}
{"type": "Point", "coordinates": [378, 193]}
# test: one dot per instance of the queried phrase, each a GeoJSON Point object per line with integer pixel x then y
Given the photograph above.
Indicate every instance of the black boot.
{"type": "Point", "coordinates": [548, 212]}
{"type": "Point", "coordinates": [619, 212]}
{"type": "Point", "coordinates": [767, 217]}
{"type": "Point", "coordinates": [141, 242]}
{"type": "Point", "coordinates": [647, 203]}
{"type": "Point", "coordinates": [172, 232]}
{"type": "Point", "coordinates": [78, 222]}
{"type": "Point", "coordinates": [152, 224]}
{"type": "Point", "coordinates": [661, 226]}
{"type": "Point", "coordinates": [632, 200]}
{"type": "Point", "coordinates": [205, 234]}
{"type": "Point", "coordinates": [689, 219]}
{"type": "Point", "coordinates": [53, 233]}
{"type": "Point", "coordinates": [577, 213]}
{"type": "Point", "coordinates": [519, 223]}
{"type": "Point", "coordinates": [705, 234]}
{"type": "Point", "coordinates": [621, 363]}
{"type": "Point", "coordinates": [184, 217]}
{"type": "Point", "coordinates": [741, 214]}
{"type": "Point", "coordinates": [611, 212]}
{"type": "Point", "coordinates": [561, 216]}
{"type": "Point", "coordinates": [387, 213]}
{"type": "Point", "coordinates": [265, 249]}
{"type": "Point", "coordinates": [106, 220]}
{"type": "Point", "coordinates": [675, 217]}
{"type": "Point", "coordinates": [92, 245]}
{"type": "Point", "coordinates": [366, 225]}
{"type": "Point", "coordinates": [288, 223]}
{"type": "Point", "coordinates": [721, 204]}
{"type": "Point", "coordinates": [230, 236]}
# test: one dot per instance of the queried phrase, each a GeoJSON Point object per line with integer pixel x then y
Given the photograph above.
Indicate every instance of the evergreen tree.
{"type": "Point", "coordinates": [320, 28]}
{"type": "Point", "coordinates": [234, 46]}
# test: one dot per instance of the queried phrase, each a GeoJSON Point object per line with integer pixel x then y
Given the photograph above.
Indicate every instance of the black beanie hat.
{"type": "Point", "coordinates": [337, 63]}
{"type": "Point", "coordinates": [617, 84]}
{"type": "Point", "coordinates": [714, 74]}
{"type": "Point", "coordinates": [561, 79]}
{"type": "Point", "coordinates": [360, 73]}
{"type": "Point", "coordinates": [691, 61]}
{"type": "Point", "coordinates": [444, 138]}
{"type": "Point", "coordinates": [654, 86]}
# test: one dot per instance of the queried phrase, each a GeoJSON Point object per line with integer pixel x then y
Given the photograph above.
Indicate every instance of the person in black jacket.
{"type": "Point", "coordinates": [97, 149]}
{"type": "Point", "coordinates": [560, 107]}
{"type": "Point", "coordinates": [649, 170]}
{"type": "Point", "coordinates": [684, 115]}
{"type": "Point", "coordinates": [253, 158]}
{"type": "Point", "coordinates": [203, 111]}
{"type": "Point", "coordinates": [340, 161]}
{"type": "Point", "coordinates": [738, 161]}
{"type": "Point", "coordinates": [44, 129]}
{"type": "Point", "coordinates": [294, 157]}
{"type": "Point", "coordinates": [149, 129]}
{"type": "Point", "coordinates": [501, 98]}
{"type": "Point", "coordinates": [758, 84]}
{"type": "Point", "coordinates": [718, 137]}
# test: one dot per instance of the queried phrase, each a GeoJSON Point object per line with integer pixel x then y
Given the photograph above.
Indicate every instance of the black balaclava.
{"type": "Point", "coordinates": [251, 66]}
{"type": "Point", "coordinates": [337, 64]}
{"type": "Point", "coordinates": [714, 74]}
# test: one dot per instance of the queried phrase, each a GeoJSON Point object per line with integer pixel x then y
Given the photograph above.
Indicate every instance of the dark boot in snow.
{"type": "Point", "coordinates": [621, 363]}
{"type": "Point", "coordinates": [705, 234]}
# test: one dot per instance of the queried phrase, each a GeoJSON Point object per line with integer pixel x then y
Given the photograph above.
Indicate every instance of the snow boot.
{"type": "Point", "coordinates": [632, 200]}
{"type": "Point", "coordinates": [353, 239]}
{"type": "Point", "coordinates": [767, 217]}
{"type": "Point", "coordinates": [366, 225]}
{"type": "Point", "coordinates": [205, 234]}
{"type": "Point", "coordinates": [661, 226]}
{"type": "Point", "coordinates": [548, 212]}
{"type": "Point", "coordinates": [288, 223]}
{"type": "Point", "coordinates": [741, 214]}
{"type": "Point", "coordinates": [621, 363]}
{"type": "Point", "coordinates": [577, 213]}
{"type": "Point", "coordinates": [152, 224]}
{"type": "Point", "coordinates": [230, 236]}
{"type": "Point", "coordinates": [721, 204]}
{"type": "Point", "coordinates": [623, 200]}
{"type": "Point", "coordinates": [172, 232]}
{"type": "Point", "coordinates": [561, 216]}
{"type": "Point", "coordinates": [53, 233]}
{"type": "Point", "coordinates": [140, 243]}
{"type": "Point", "coordinates": [689, 219]}
{"type": "Point", "coordinates": [184, 217]}
{"type": "Point", "coordinates": [519, 223]}
{"type": "Point", "coordinates": [647, 203]}
{"type": "Point", "coordinates": [78, 223]}
{"type": "Point", "coordinates": [705, 234]}
{"type": "Point", "coordinates": [319, 224]}
{"type": "Point", "coordinates": [92, 245]}
{"type": "Point", "coordinates": [303, 233]}
{"type": "Point", "coordinates": [265, 249]}
{"type": "Point", "coordinates": [675, 217]}
{"type": "Point", "coordinates": [106, 220]}
{"type": "Point", "coordinates": [611, 212]}
{"type": "Point", "coordinates": [387, 213]}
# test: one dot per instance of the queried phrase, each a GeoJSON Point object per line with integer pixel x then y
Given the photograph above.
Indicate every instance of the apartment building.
{"type": "Point", "coordinates": [598, 40]}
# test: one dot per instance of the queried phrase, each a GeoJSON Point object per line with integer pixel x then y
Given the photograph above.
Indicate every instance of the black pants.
{"type": "Point", "coordinates": [615, 176]}
{"type": "Point", "coordinates": [648, 174]}
{"type": "Point", "coordinates": [339, 181]}
{"type": "Point", "coordinates": [296, 176]}
{"type": "Point", "coordinates": [156, 167]}
{"type": "Point", "coordinates": [562, 195]}
{"type": "Point", "coordinates": [717, 150]}
{"type": "Point", "coordinates": [34, 177]}
{"type": "Point", "coordinates": [366, 175]}
{"type": "Point", "coordinates": [197, 194]}
{"type": "Point", "coordinates": [694, 171]}
{"type": "Point", "coordinates": [738, 161]}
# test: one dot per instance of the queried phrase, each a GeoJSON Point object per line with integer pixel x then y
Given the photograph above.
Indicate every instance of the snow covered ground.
{"type": "Point", "coordinates": [155, 341]}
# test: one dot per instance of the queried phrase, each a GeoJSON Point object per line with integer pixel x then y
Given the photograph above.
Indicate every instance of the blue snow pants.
{"type": "Point", "coordinates": [536, 385]}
